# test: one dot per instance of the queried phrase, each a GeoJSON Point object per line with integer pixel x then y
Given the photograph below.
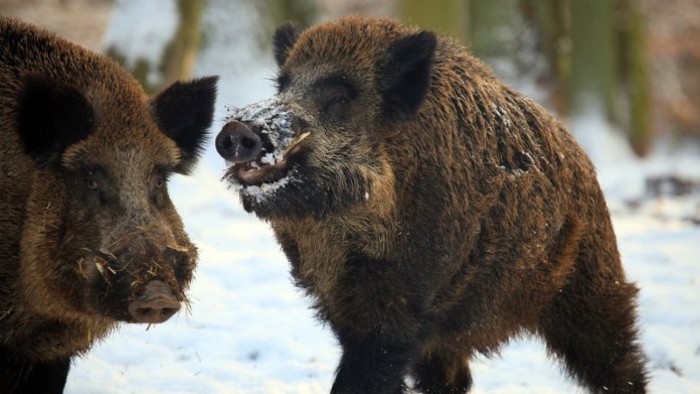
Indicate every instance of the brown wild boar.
{"type": "Point", "coordinates": [430, 211]}
{"type": "Point", "coordinates": [88, 234]}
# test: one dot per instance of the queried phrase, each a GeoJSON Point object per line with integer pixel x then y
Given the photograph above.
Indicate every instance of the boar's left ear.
{"type": "Point", "coordinates": [184, 112]}
{"type": "Point", "coordinates": [283, 40]}
{"type": "Point", "coordinates": [50, 117]}
{"type": "Point", "coordinates": [404, 74]}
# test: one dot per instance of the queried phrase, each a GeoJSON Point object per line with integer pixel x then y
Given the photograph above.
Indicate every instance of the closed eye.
{"type": "Point", "coordinates": [335, 103]}
{"type": "Point", "coordinates": [96, 183]}
{"type": "Point", "coordinates": [335, 96]}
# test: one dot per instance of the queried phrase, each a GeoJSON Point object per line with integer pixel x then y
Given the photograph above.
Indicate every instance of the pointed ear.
{"type": "Point", "coordinates": [404, 75]}
{"type": "Point", "coordinates": [283, 40]}
{"type": "Point", "coordinates": [51, 117]}
{"type": "Point", "coordinates": [184, 112]}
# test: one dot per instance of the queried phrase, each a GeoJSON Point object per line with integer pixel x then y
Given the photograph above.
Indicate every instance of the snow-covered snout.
{"type": "Point", "coordinates": [259, 143]}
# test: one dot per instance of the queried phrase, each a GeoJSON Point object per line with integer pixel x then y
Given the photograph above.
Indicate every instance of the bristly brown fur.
{"type": "Point", "coordinates": [86, 218]}
{"type": "Point", "coordinates": [482, 218]}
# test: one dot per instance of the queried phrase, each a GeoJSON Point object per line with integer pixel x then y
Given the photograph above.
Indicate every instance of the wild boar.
{"type": "Point", "coordinates": [430, 211]}
{"type": "Point", "coordinates": [88, 234]}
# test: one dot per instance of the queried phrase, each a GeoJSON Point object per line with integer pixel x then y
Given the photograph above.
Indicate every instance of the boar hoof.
{"type": "Point", "coordinates": [238, 143]}
{"type": "Point", "coordinates": [156, 305]}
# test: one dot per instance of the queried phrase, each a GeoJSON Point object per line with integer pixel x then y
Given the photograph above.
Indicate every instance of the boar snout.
{"type": "Point", "coordinates": [237, 143]}
{"type": "Point", "coordinates": [156, 305]}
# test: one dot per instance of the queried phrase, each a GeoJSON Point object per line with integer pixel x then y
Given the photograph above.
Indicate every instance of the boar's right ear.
{"type": "Point", "coordinates": [283, 40]}
{"type": "Point", "coordinates": [404, 74]}
{"type": "Point", "coordinates": [184, 112]}
{"type": "Point", "coordinates": [50, 117]}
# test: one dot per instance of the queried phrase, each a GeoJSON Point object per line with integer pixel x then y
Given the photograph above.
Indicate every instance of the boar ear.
{"type": "Point", "coordinates": [283, 40]}
{"type": "Point", "coordinates": [50, 117]}
{"type": "Point", "coordinates": [184, 112]}
{"type": "Point", "coordinates": [405, 74]}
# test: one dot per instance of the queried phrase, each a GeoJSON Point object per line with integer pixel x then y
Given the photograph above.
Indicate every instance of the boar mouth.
{"type": "Point", "coordinates": [127, 289]}
{"type": "Point", "coordinates": [269, 168]}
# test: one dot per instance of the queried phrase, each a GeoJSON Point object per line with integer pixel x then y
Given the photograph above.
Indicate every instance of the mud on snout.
{"type": "Point", "coordinates": [140, 280]}
{"type": "Point", "coordinates": [260, 146]}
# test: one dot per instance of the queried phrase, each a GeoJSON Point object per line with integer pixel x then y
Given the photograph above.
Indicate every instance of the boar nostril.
{"type": "Point", "coordinates": [156, 305]}
{"type": "Point", "coordinates": [238, 143]}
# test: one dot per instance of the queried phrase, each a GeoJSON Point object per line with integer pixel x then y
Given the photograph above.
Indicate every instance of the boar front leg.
{"type": "Point", "coordinates": [23, 376]}
{"type": "Point", "coordinates": [47, 377]}
{"type": "Point", "coordinates": [377, 319]}
{"type": "Point", "coordinates": [371, 363]}
{"type": "Point", "coordinates": [442, 373]}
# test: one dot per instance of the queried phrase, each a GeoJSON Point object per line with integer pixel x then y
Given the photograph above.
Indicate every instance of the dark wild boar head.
{"type": "Point", "coordinates": [102, 237]}
{"type": "Point", "coordinates": [316, 148]}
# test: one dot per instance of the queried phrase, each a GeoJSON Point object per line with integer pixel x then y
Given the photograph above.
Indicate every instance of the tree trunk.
{"type": "Point", "coordinates": [181, 53]}
{"type": "Point", "coordinates": [551, 20]}
{"type": "Point", "coordinates": [449, 17]}
{"type": "Point", "coordinates": [634, 69]}
{"type": "Point", "coordinates": [593, 61]}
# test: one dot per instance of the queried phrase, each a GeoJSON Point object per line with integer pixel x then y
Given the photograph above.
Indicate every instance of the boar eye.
{"type": "Point", "coordinates": [338, 100]}
{"type": "Point", "coordinates": [158, 181]}
{"type": "Point", "coordinates": [96, 185]}
{"type": "Point", "coordinates": [92, 184]}
{"type": "Point", "coordinates": [336, 106]}
{"type": "Point", "coordinates": [335, 95]}
{"type": "Point", "coordinates": [158, 193]}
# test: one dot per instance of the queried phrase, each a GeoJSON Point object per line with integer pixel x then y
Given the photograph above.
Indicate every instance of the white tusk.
{"type": "Point", "coordinates": [296, 142]}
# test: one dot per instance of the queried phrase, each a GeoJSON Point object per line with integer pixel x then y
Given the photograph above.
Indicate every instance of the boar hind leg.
{"type": "Point", "coordinates": [591, 327]}
{"type": "Point", "coordinates": [442, 374]}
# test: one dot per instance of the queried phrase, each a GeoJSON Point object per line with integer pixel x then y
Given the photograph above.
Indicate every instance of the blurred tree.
{"type": "Point", "coordinates": [178, 50]}
{"type": "Point", "coordinates": [450, 17]}
{"type": "Point", "coordinates": [181, 53]}
{"type": "Point", "coordinates": [594, 51]}
{"type": "Point", "coordinates": [593, 59]}
{"type": "Point", "coordinates": [634, 65]}
{"type": "Point", "coordinates": [303, 12]}
{"type": "Point", "coordinates": [552, 22]}
{"type": "Point", "coordinates": [275, 12]}
{"type": "Point", "coordinates": [607, 66]}
{"type": "Point", "coordinates": [672, 29]}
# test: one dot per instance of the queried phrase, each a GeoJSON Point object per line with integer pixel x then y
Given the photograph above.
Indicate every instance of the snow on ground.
{"type": "Point", "coordinates": [250, 330]}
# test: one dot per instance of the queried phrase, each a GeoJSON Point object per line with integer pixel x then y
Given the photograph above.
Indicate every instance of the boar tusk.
{"type": "Point", "coordinates": [295, 142]}
{"type": "Point", "coordinates": [178, 248]}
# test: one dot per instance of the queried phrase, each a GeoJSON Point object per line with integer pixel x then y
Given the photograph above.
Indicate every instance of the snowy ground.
{"type": "Point", "coordinates": [250, 331]}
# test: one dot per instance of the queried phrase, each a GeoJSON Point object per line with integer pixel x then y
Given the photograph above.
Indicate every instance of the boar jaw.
{"type": "Point", "coordinates": [263, 170]}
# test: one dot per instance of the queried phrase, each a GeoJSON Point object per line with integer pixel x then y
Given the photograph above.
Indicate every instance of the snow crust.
{"type": "Point", "coordinates": [273, 120]}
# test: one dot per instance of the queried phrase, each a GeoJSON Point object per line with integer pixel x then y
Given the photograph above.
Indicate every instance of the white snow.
{"type": "Point", "coordinates": [263, 191]}
{"type": "Point", "coordinates": [251, 331]}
